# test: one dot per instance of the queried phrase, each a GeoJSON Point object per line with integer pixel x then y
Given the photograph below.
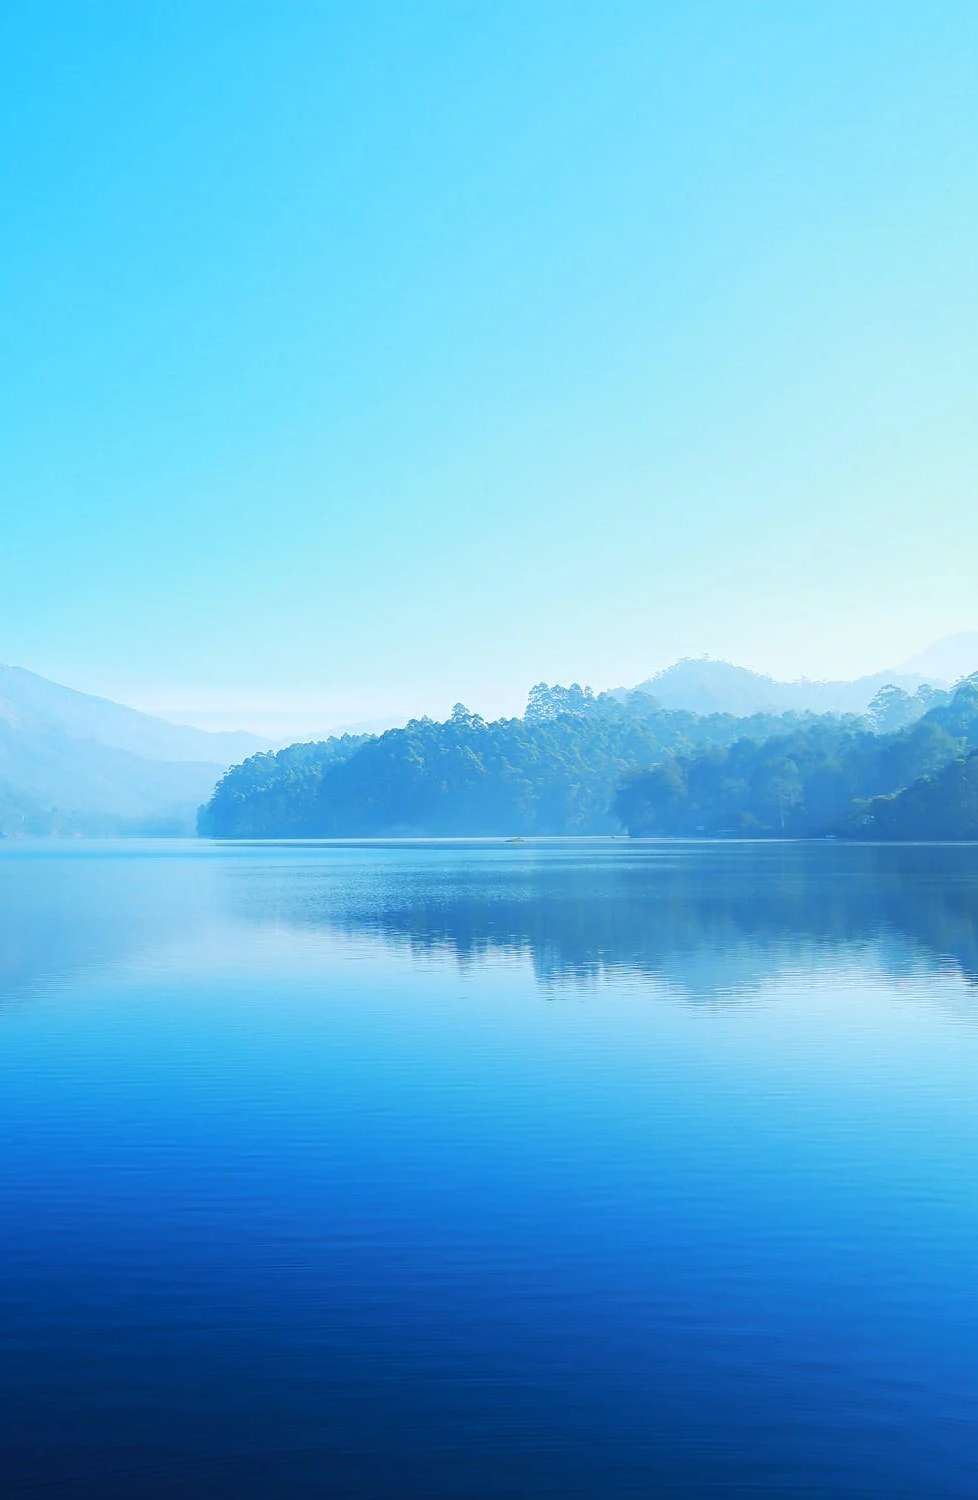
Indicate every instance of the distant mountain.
{"type": "Point", "coordinates": [703, 685]}
{"type": "Point", "coordinates": [72, 763]}
{"type": "Point", "coordinates": [32, 703]}
{"type": "Point", "coordinates": [52, 784]}
{"type": "Point", "coordinates": [948, 660]}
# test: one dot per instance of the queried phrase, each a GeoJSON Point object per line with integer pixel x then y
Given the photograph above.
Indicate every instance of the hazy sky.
{"type": "Point", "coordinates": [358, 358]}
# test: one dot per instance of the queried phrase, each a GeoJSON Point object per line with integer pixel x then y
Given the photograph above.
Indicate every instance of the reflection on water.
{"type": "Point", "coordinates": [700, 916]}
{"type": "Point", "coordinates": [310, 1189]}
{"type": "Point", "coordinates": [706, 918]}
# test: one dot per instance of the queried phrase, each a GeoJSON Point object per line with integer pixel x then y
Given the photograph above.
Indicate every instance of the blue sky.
{"type": "Point", "coordinates": [360, 358]}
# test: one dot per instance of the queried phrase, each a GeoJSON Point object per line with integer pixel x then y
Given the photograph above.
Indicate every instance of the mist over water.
{"type": "Point", "coordinates": [477, 1170]}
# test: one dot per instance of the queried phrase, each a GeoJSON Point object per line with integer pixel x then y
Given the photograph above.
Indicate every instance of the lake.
{"type": "Point", "coordinates": [475, 1170]}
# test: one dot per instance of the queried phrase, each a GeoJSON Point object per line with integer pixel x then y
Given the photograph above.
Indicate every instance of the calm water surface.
{"type": "Point", "coordinates": [474, 1170]}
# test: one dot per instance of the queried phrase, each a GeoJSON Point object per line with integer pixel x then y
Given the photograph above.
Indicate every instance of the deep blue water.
{"type": "Point", "coordinates": [477, 1170]}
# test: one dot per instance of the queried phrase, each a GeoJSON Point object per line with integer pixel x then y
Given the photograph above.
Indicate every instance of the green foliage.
{"type": "Point", "coordinates": [276, 785]}
{"type": "Point", "coordinates": [944, 806]}
{"type": "Point", "coordinates": [823, 778]}
{"type": "Point", "coordinates": [581, 763]}
{"type": "Point", "coordinates": [893, 708]}
{"type": "Point", "coordinates": [554, 771]}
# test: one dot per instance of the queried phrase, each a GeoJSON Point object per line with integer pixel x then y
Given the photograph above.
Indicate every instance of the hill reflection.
{"type": "Point", "coordinates": [706, 918]}
{"type": "Point", "coordinates": [709, 920]}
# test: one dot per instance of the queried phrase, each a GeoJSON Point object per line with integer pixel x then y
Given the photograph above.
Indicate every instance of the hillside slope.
{"type": "Point", "coordinates": [32, 703]}
{"type": "Point", "coordinates": [52, 784]}
{"type": "Point", "coordinates": [74, 763]}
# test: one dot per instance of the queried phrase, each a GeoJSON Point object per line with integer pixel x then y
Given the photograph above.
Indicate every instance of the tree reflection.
{"type": "Point", "coordinates": [703, 917]}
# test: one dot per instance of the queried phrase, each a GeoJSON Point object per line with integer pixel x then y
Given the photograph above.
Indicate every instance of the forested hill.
{"type": "Point", "coordinates": [556, 770]}
{"type": "Point", "coordinates": [941, 806]}
{"type": "Point", "coordinates": [828, 776]}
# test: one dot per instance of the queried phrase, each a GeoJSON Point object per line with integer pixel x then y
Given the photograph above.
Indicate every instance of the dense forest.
{"type": "Point", "coordinates": [556, 770]}
{"type": "Point", "coordinates": [581, 763]}
{"type": "Point", "coordinates": [845, 777]}
{"type": "Point", "coordinates": [942, 806]}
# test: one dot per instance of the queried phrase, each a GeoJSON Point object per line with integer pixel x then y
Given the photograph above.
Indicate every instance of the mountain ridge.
{"type": "Point", "coordinates": [31, 702]}
{"type": "Point", "coordinates": [711, 685]}
{"type": "Point", "coordinates": [72, 762]}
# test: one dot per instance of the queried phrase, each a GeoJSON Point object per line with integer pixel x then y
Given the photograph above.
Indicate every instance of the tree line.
{"type": "Point", "coordinates": [555, 770]}
{"type": "Point", "coordinates": [841, 777]}
{"type": "Point", "coordinates": [577, 762]}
